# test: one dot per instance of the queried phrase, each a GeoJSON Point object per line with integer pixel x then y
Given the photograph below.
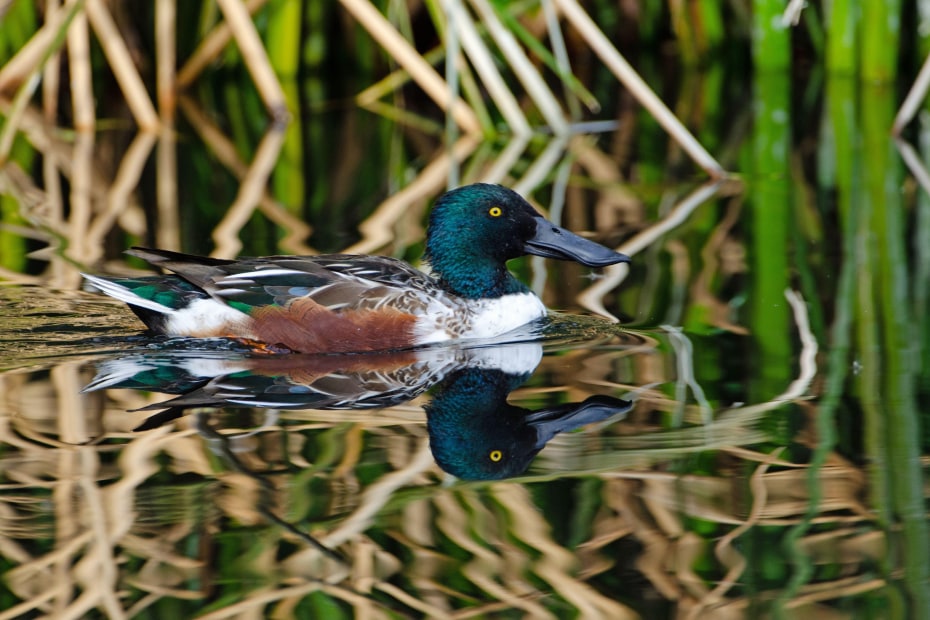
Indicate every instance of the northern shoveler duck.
{"type": "Point", "coordinates": [347, 303]}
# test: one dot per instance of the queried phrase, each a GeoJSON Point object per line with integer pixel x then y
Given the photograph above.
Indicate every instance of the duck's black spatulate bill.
{"type": "Point", "coordinates": [551, 241]}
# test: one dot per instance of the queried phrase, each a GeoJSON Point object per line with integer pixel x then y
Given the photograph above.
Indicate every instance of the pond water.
{"type": "Point", "coordinates": [750, 438]}
{"type": "Point", "coordinates": [316, 477]}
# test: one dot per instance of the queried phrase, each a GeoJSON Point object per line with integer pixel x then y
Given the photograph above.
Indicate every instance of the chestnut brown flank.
{"type": "Point", "coordinates": [305, 369]}
{"type": "Point", "coordinates": [307, 327]}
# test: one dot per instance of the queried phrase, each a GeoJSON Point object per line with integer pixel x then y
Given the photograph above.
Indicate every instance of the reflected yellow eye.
{"type": "Point", "coordinates": [496, 455]}
{"type": "Point", "coordinates": [495, 212]}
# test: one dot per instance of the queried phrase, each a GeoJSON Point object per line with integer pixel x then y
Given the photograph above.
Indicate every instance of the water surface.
{"type": "Point", "coordinates": [772, 347]}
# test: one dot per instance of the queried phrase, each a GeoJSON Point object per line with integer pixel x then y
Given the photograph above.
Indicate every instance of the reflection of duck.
{"type": "Point", "coordinates": [474, 433]}
{"type": "Point", "coordinates": [367, 381]}
{"type": "Point", "coordinates": [345, 303]}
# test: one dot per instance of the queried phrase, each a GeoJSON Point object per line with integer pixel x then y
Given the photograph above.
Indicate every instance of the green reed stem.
{"type": "Point", "coordinates": [713, 29]}
{"type": "Point", "coordinates": [921, 241]}
{"type": "Point", "coordinates": [842, 37]}
{"type": "Point", "coordinates": [841, 124]}
{"type": "Point", "coordinates": [282, 39]}
{"type": "Point", "coordinates": [699, 28]}
{"type": "Point", "coordinates": [881, 35]}
{"type": "Point", "coordinates": [771, 220]}
{"type": "Point", "coordinates": [18, 24]}
{"type": "Point", "coordinates": [12, 244]}
{"type": "Point", "coordinates": [771, 41]}
{"type": "Point", "coordinates": [902, 425]}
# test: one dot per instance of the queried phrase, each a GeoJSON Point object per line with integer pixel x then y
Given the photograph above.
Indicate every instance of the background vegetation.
{"type": "Point", "coordinates": [284, 126]}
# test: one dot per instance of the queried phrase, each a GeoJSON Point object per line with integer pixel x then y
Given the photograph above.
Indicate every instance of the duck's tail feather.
{"type": "Point", "coordinates": [118, 289]}
{"type": "Point", "coordinates": [153, 299]}
{"type": "Point", "coordinates": [194, 268]}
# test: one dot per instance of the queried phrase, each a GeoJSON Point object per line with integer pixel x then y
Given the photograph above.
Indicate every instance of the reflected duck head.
{"type": "Point", "coordinates": [475, 434]}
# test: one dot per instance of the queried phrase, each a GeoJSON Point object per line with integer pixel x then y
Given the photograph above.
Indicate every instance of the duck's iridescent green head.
{"type": "Point", "coordinates": [474, 230]}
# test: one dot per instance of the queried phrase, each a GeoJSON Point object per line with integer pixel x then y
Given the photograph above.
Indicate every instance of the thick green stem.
{"type": "Point", "coordinates": [771, 40]}
{"type": "Point", "coordinates": [881, 34]}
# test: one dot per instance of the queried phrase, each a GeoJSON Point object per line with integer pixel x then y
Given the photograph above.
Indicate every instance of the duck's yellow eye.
{"type": "Point", "coordinates": [495, 211]}
{"type": "Point", "coordinates": [496, 455]}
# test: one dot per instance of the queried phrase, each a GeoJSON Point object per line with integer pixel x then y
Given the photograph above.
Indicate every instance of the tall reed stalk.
{"type": "Point", "coordinates": [881, 36]}
{"type": "Point", "coordinates": [842, 21]}
{"type": "Point", "coordinates": [771, 40]}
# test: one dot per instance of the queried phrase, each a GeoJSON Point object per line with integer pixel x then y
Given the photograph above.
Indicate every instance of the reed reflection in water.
{"type": "Point", "coordinates": [170, 514]}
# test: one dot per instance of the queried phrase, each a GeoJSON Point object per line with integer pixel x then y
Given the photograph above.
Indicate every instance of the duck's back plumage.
{"type": "Point", "coordinates": [334, 281]}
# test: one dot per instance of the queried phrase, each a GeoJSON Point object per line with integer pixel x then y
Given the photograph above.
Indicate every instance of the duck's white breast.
{"type": "Point", "coordinates": [481, 318]}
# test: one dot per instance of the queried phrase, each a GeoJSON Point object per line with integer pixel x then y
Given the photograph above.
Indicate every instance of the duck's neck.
{"type": "Point", "coordinates": [474, 277]}
{"type": "Point", "coordinates": [463, 272]}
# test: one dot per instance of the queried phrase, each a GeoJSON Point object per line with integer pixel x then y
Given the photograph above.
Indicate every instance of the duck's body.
{"type": "Point", "coordinates": [327, 303]}
{"type": "Point", "coordinates": [349, 303]}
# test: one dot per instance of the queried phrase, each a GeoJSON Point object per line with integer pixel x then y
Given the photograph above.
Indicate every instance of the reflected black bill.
{"type": "Point", "coordinates": [552, 241]}
{"type": "Point", "coordinates": [563, 418]}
